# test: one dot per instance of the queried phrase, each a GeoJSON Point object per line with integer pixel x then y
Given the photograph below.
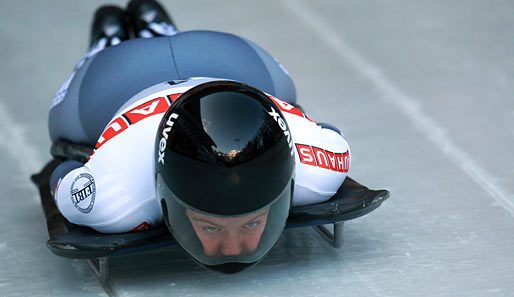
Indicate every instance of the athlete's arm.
{"type": "Point", "coordinates": [322, 156]}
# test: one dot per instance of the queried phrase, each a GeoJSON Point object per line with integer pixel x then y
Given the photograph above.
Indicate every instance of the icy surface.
{"type": "Point", "coordinates": [422, 91]}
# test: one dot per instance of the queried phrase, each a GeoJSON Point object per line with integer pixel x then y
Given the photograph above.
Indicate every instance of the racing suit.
{"type": "Point", "coordinates": [116, 99]}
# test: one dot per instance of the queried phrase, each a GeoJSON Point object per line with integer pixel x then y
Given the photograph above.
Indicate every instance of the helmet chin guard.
{"type": "Point", "coordinates": [225, 173]}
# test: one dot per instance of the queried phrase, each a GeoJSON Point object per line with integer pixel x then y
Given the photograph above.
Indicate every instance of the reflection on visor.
{"type": "Point", "coordinates": [228, 236]}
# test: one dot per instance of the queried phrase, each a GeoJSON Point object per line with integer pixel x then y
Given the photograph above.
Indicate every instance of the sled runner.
{"type": "Point", "coordinates": [351, 201]}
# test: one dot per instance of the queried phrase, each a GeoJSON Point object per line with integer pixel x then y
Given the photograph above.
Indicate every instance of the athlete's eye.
{"type": "Point", "coordinates": [211, 229]}
{"type": "Point", "coordinates": [252, 224]}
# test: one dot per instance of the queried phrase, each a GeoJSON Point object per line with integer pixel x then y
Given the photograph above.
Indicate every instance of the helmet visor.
{"type": "Point", "coordinates": [214, 239]}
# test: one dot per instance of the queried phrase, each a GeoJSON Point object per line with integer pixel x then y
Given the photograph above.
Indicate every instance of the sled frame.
{"type": "Point", "coordinates": [67, 240]}
{"type": "Point", "coordinates": [101, 268]}
{"type": "Point", "coordinates": [335, 237]}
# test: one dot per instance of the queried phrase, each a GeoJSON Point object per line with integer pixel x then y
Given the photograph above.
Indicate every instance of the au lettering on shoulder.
{"type": "Point", "coordinates": [305, 154]}
{"type": "Point", "coordinates": [321, 157]}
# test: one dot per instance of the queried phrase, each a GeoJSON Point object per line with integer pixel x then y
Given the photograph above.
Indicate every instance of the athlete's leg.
{"type": "Point", "coordinates": [234, 58]}
{"type": "Point", "coordinates": [283, 84]}
{"type": "Point", "coordinates": [222, 55]}
{"type": "Point", "coordinates": [108, 29]}
{"type": "Point", "coordinates": [111, 77]}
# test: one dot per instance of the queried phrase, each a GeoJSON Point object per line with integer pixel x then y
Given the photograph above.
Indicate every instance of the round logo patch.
{"type": "Point", "coordinates": [83, 192]}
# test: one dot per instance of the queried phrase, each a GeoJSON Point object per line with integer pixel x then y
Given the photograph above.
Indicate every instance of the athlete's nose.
{"type": "Point", "coordinates": [231, 245]}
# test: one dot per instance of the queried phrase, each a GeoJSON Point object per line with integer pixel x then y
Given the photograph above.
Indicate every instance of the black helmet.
{"type": "Point", "coordinates": [225, 174]}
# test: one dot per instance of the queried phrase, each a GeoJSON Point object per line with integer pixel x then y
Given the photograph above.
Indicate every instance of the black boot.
{"type": "Point", "coordinates": [149, 19]}
{"type": "Point", "coordinates": [109, 26]}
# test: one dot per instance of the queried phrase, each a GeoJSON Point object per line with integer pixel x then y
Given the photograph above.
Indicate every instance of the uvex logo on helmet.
{"type": "Point", "coordinates": [276, 116]}
{"type": "Point", "coordinates": [164, 138]}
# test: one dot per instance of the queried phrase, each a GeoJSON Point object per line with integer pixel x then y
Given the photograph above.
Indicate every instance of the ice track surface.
{"type": "Point", "coordinates": [422, 91]}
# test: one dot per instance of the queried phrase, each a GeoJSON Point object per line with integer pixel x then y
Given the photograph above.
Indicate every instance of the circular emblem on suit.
{"type": "Point", "coordinates": [83, 191]}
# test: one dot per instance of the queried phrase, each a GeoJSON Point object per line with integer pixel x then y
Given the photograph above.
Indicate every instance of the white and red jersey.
{"type": "Point", "coordinates": [115, 190]}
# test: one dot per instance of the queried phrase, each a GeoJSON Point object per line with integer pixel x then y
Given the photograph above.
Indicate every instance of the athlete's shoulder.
{"type": "Point", "coordinates": [322, 156]}
{"type": "Point", "coordinates": [152, 101]}
{"type": "Point", "coordinates": [290, 111]}
{"type": "Point", "coordinates": [164, 89]}
{"type": "Point", "coordinates": [75, 195]}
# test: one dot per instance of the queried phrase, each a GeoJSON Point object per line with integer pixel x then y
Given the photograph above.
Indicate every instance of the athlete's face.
{"type": "Point", "coordinates": [228, 236]}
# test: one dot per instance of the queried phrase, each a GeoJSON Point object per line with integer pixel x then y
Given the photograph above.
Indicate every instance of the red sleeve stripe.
{"type": "Point", "coordinates": [173, 97]}
{"type": "Point", "coordinates": [152, 107]}
{"type": "Point", "coordinates": [149, 108]}
{"type": "Point", "coordinates": [115, 127]}
{"type": "Point", "coordinates": [127, 119]}
{"type": "Point", "coordinates": [305, 154]}
{"type": "Point", "coordinates": [318, 157]}
{"type": "Point", "coordinates": [286, 107]}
